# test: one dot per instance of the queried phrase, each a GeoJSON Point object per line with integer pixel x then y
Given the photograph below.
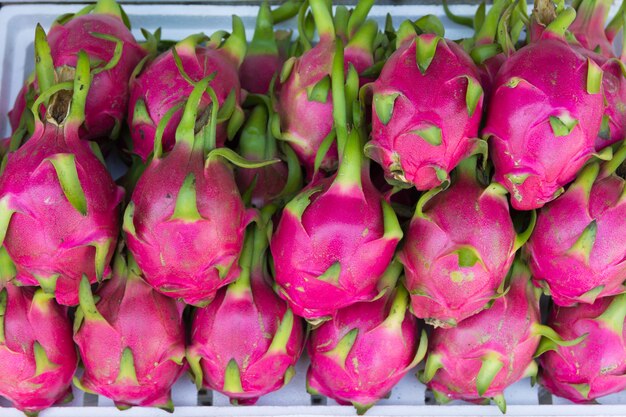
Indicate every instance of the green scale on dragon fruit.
{"type": "Point", "coordinates": [419, 138]}
{"type": "Point", "coordinates": [542, 124]}
{"type": "Point", "coordinates": [131, 339]}
{"type": "Point", "coordinates": [159, 90]}
{"type": "Point", "coordinates": [185, 222]}
{"type": "Point", "coordinates": [304, 103]}
{"type": "Point", "coordinates": [577, 253]}
{"type": "Point", "coordinates": [336, 238]}
{"type": "Point", "coordinates": [59, 206]}
{"type": "Point", "coordinates": [360, 355]}
{"type": "Point", "coordinates": [477, 360]}
{"type": "Point", "coordinates": [37, 355]}
{"type": "Point", "coordinates": [459, 248]}
{"type": "Point", "coordinates": [102, 31]}
{"type": "Point", "coordinates": [245, 368]}
{"type": "Point", "coordinates": [595, 367]}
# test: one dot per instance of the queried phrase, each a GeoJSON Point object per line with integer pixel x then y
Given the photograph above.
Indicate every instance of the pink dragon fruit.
{"type": "Point", "coordinates": [37, 355]}
{"type": "Point", "coordinates": [55, 175]}
{"type": "Point", "coordinates": [456, 265]}
{"type": "Point", "coordinates": [337, 237]}
{"type": "Point", "coordinates": [245, 368]}
{"type": "Point", "coordinates": [158, 92]}
{"type": "Point", "coordinates": [186, 220]}
{"type": "Point", "coordinates": [304, 100]}
{"type": "Point", "coordinates": [419, 138]}
{"type": "Point", "coordinates": [360, 355]}
{"type": "Point", "coordinates": [577, 252]}
{"type": "Point", "coordinates": [588, 28]}
{"type": "Point", "coordinates": [477, 360]}
{"type": "Point", "coordinates": [263, 60]}
{"type": "Point", "coordinates": [100, 31]}
{"type": "Point", "coordinates": [541, 132]}
{"type": "Point", "coordinates": [267, 184]}
{"type": "Point", "coordinates": [595, 367]}
{"type": "Point", "coordinates": [131, 340]}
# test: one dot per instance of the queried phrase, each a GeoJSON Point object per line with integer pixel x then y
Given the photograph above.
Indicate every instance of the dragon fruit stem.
{"type": "Point", "coordinates": [323, 19]}
{"type": "Point", "coordinates": [563, 20]}
{"type": "Point", "coordinates": [242, 284]}
{"type": "Point", "coordinates": [108, 7]}
{"type": "Point", "coordinates": [339, 97]}
{"type": "Point", "coordinates": [615, 314]}
{"type": "Point", "coordinates": [358, 16]}
{"type": "Point", "coordinates": [364, 37]}
{"type": "Point", "coordinates": [467, 168]}
{"type": "Point", "coordinates": [467, 21]}
{"type": "Point", "coordinates": [236, 45]}
{"type": "Point", "coordinates": [82, 82]}
{"type": "Point", "coordinates": [87, 304]}
{"type": "Point", "coordinates": [263, 41]}
{"type": "Point", "coordinates": [185, 132]}
{"type": "Point", "coordinates": [487, 32]}
{"type": "Point", "coordinates": [286, 11]}
{"type": "Point", "coordinates": [616, 24]}
{"type": "Point", "coordinates": [44, 66]}
{"type": "Point", "coordinates": [610, 166]}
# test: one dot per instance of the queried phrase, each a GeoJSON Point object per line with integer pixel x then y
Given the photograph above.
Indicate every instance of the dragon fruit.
{"type": "Point", "coordinates": [245, 368]}
{"type": "Point", "coordinates": [337, 237]}
{"type": "Point", "coordinates": [131, 340]}
{"type": "Point", "coordinates": [100, 31]}
{"type": "Point", "coordinates": [456, 265]}
{"type": "Point", "coordinates": [419, 138]}
{"type": "Point", "coordinates": [186, 220]}
{"type": "Point", "coordinates": [55, 175]}
{"type": "Point", "coordinates": [265, 185]}
{"type": "Point", "coordinates": [577, 252]}
{"type": "Point", "coordinates": [477, 360]}
{"type": "Point", "coordinates": [595, 367]}
{"type": "Point", "coordinates": [304, 99]}
{"type": "Point", "coordinates": [541, 132]}
{"type": "Point", "coordinates": [37, 355]}
{"type": "Point", "coordinates": [263, 60]}
{"type": "Point", "coordinates": [351, 358]}
{"type": "Point", "coordinates": [159, 91]}
{"type": "Point", "coordinates": [588, 28]}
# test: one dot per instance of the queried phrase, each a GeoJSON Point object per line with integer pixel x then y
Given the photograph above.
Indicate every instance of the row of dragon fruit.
{"type": "Point", "coordinates": [375, 196]}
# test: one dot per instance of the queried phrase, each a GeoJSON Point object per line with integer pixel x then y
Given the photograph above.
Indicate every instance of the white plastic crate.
{"type": "Point", "coordinates": [409, 397]}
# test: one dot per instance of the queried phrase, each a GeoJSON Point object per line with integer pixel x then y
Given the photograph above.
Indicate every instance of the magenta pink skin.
{"type": "Point", "coordinates": [522, 142]}
{"type": "Point", "coordinates": [506, 328]}
{"type": "Point", "coordinates": [445, 107]}
{"type": "Point", "coordinates": [108, 94]}
{"type": "Point", "coordinates": [560, 224]}
{"type": "Point", "coordinates": [256, 72]}
{"type": "Point", "coordinates": [371, 368]}
{"type": "Point", "coordinates": [40, 247]}
{"type": "Point", "coordinates": [488, 71]}
{"type": "Point", "coordinates": [25, 323]}
{"type": "Point", "coordinates": [180, 258]}
{"type": "Point", "coordinates": [430, 259]}
{"type": "Point", "coordinates": [599, 360]}
{"type": "Point", "coordinates": [270, 181]}
{"type": "Point", "coordinates": [339, 225]}
{"type": "Point", "coordinates": [256, 314]}
{"type": "Point", "coordinates": [161, 86]}
{"type": "Point", "coordinates": [306, 123]}
{"type": "Point", "coordinates": [150, 325]}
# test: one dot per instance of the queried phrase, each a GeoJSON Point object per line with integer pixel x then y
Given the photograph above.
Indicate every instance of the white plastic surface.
{"type": "Point", "coordinates": [409, 397]}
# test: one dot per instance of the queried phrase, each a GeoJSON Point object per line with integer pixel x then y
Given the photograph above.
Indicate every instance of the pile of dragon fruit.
{"type": "Point", "coordinates": [373, 196]}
